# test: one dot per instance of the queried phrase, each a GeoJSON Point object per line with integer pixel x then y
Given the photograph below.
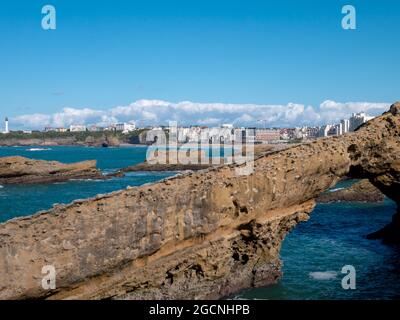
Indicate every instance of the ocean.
{"type": "Point", "coordinates": [313, 254]}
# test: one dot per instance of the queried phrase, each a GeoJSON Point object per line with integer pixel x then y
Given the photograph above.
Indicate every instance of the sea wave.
{"type": "Point", "coordinates": [38, 149]}
{"type": "Point", "coordinates": [88, 180]}
{"type": "Point", "coordinates": [337, 189]}
{"type": "Point", "coordinates": [1, 187]}
{"type": "Point", "coordinates": [323, 275]}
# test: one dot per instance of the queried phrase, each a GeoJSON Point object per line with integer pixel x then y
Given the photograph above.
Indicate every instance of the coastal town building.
{"type": "Point", "coordinates": [239, 134]}
{"type": "Point", "coordinates": [339, 129]}
{"type": "Point", "coordinates": [287, 133]}
{"type": "Point", "coordinates": [267, 135]}
{"type": "Point", "coordinates": [328, 130]}
{"type": "Point", "coordinates": [77, 128]}
{"type": "Point", "coordinates": [197, 134]}
{"type": "Point", "coordinates": [357, 119]}
{"type": "Point", "coordinates": [248, 135]}
{"type": "Point", "coordinates": [226, 133]}
{"type": "Point", "coordinates": [312, 132]}
{"type": "Point", "coordinates": [95, 128]}
{"type": "Point", "coordinates": [194, 134]}
{"type": "Point", "coordinates": [182, 135]}
{"type": "Point", "coordinates": [51, 129]}
{"type": "Point", "coordinates": [154, 135]}
{"type": "Point", "coordinates": [300, 133]}
{"type": "Point", "coordinates": [345, 125]}
{"type": "Point", "coordinates": [125, 127]}
{"type": "Point", "coordinates": [111, 127]}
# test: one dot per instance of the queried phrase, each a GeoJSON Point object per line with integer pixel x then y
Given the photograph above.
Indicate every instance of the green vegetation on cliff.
{"type": "Point", "coordinates": [86, 137]}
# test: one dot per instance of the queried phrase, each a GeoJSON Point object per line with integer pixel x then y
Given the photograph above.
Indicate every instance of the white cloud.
{"type": "Point", "coordinates": [331, 110]}
{"type": "Point", "coordinates": [32, 120]}
{"type": "Point", "coordinates": [245, 118]}
{"type": "Point", "coordinates": [186, 113]}
{"type": "Point", "coordinates": [209, 121]}
{"type": "Point", "coordinates": [352, 106]}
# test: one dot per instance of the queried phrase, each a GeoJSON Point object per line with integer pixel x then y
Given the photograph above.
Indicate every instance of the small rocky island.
{"type": "Point", "coordinates": [361, 191]}
{"type": "Point", "coordinates": [20, 170]}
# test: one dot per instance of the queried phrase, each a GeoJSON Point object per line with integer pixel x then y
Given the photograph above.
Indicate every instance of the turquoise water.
{"type": "Point", "coordinates": [332, 238]}
{"type": "Point", "coordinates": [20, 200]}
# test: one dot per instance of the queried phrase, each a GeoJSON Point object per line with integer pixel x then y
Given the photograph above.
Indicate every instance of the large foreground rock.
{"type": "Point", "coordinates": [17, 170]}
{"type": "Point", "coordinates": [199, 235]}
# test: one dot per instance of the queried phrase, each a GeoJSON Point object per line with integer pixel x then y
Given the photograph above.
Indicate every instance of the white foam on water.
{"type": "Point", "coordinates": [38, 149]}
{"type": "Point", "coordinates": [323, 275]}
{"type": "Point", "coordinates": [88, 180]}
{"type": "Point", "coordinates": [337, 189]}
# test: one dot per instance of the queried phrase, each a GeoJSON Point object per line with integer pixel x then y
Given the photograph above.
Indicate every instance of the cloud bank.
{"type": "Point", "coordinates": [153, 112]}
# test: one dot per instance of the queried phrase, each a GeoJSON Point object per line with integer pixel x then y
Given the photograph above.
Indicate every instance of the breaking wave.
{"type": "Point", "coordinates": [38, 149]}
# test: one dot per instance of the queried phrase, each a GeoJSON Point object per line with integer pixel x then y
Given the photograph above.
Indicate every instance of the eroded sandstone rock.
{"type": "Point", "coordinates": [395, 108]}
{"type": "Point", "coordinates": [17, 169]}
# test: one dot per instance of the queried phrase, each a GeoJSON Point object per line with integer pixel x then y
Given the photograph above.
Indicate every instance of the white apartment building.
{"type": "Point", "coordinates": [327, 130]}
{"type": "Point", "coordinates": [339, 129]}
{"type": "Point", "coordinates": [345, 125]}
{"type": "Point", "coordinates": [245, 135]}
{"type": "Point", "coordinates": [156, 134]}
{"type": "Point", "coordinates": [183, 133]}
{"type": "Point", "coordinates": [357, 119]}
{"type": "Point", "coordinates": [125, 127]}
{"type": "Point", "coordinates": [77, 128]}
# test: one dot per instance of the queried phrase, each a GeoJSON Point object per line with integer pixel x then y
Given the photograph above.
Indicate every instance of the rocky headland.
{"type": "Point", "coordinates": [60, 141]}
{"type": "Point", "coordinates": [145, 166]}
{"type": "Point", "coordinates": [204, 234]}
{"type": "Point", "coordinates": [20, 170]}
{"type": "Point", "coordinates": [86, 138]}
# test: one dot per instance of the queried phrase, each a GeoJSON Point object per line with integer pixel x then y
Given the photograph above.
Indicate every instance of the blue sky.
{"type": "Point", "coordinates": [106, 54]}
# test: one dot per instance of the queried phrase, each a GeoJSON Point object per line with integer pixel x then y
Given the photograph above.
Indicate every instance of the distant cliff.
{"type": "Point", "coordinates": [71, 138]}
{"type": "Point", "coordinates": [199, 235]}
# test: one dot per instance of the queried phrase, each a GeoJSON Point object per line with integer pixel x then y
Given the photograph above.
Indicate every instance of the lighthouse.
{"type": "Point", "coordinates": [6, 126]}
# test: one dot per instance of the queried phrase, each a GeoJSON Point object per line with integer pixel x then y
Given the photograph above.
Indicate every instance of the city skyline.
{"type": "Point", "coordinates": [227, 132]}
{"type": "Point", "coordinates": [158, 112]}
